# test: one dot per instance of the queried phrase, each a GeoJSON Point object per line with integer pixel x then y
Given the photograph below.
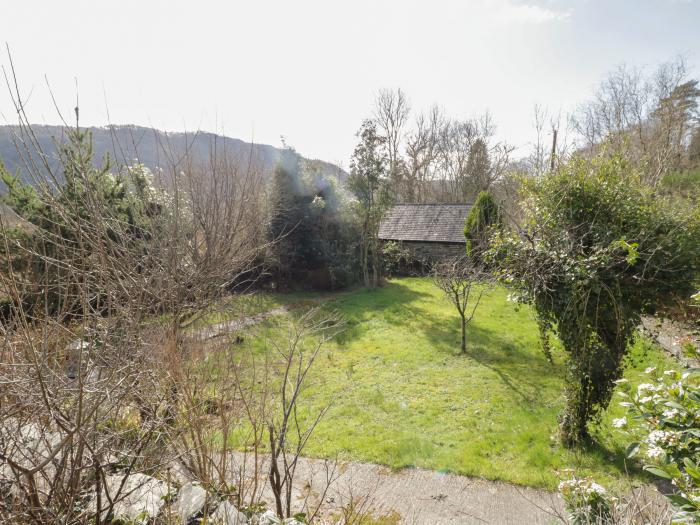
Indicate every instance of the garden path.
{"type": "Point", "coordinates": [412, 496]}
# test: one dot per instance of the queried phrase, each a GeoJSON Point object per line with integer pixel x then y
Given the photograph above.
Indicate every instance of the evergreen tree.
{"type": "Point", "coordinates": [484, 215]}
{"type": "Point", "coordinates": [58, 219]}
{"type": "Point", "coordinates": [309, 232]}
{"type": "Point", "coordinates": [478, 167]}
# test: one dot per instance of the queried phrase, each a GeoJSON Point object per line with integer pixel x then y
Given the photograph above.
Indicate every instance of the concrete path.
{"type": "Point", "coordinates": [235, 325]}
{"type": "Point", "coordinates": [417, 496]}
{"type": "Point", "coordinates": [228, 327]}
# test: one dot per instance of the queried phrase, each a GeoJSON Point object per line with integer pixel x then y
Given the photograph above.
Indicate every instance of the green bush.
{"type": "Point", "coordinates": [664, 415]}
{"type": "Point", "coordinates": [395, 258]}
{"type": "Point", "coordinates": [49, 246]}
{"type": "Point", "coordinates": [599, 250]}
{"type": "Point", "coordinates": [484, 215]}
{"type": "Point", "coordinates": [314, 239]}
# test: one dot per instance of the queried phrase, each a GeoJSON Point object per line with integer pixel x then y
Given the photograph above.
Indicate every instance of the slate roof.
{"type": "Point", "coordinates": [425, 222]}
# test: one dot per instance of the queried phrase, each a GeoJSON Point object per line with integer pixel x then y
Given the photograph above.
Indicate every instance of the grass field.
{"type": "Point", "coordinates": [402, 394]}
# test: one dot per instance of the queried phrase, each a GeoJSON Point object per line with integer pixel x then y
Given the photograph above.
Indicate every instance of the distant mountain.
{"type": "Point", "coordinates": [151, 147]}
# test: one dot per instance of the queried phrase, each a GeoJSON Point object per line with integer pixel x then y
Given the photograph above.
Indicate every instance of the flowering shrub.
{"type": "Point", "coordinates": [665, 414]}
{"type": "Point", "coordinates": [586, 501]}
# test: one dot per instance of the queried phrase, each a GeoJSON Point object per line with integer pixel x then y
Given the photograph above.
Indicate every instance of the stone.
{"type": "Point", "coordinates": [227, 514]}
{"type": "Point", "coordinates": [269, 518]}
{"type": "Point", "coordinates": [28, 445]}
{"type": "Point", "coordinates": [190, 501]}
{"type": "Point", "coordinates": [139, 500]}
{"type": "Point", "coordinates": [73, 354]}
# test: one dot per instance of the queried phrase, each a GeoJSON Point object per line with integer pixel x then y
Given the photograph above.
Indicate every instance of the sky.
{"type": "Point", "coordinates": [309, 70]}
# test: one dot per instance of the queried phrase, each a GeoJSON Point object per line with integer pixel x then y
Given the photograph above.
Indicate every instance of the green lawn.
{"type": "Point", "coordinates": [403, 395]}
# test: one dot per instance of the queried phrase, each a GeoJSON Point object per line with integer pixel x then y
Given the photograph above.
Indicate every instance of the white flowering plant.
{"type": "Point", "coordinates": [664, 413]}
{"type": "Point", "coordinates": [586, 501]}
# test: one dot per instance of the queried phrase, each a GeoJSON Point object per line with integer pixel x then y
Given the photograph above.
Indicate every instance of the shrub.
{"type": "Point", "coordinates": [599, 250]}
{"type": "Point", "coordinates": [586, 501]}
{"type": "Point", "coordinates": [483, 216]}
{"type": "Point", "coordinates": [51, 241]}
{"type": "Point", "coordinates": [394, 258]}
{"type": "Point", "coordinates": [313, 236]}
{"type": "Point", "coordinates": [664, 414]}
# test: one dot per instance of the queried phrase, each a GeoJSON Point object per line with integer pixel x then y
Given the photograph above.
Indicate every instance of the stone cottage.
{"type": "Point", "coordinates": [427, 231]}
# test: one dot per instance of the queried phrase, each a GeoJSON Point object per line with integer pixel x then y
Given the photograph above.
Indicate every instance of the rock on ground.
{"type": "Point", "coordinates": [227, 514]}
{"type": "Point", "coordinates": [28, 445]}
{"type": "Point", "coordinates": [190, 501]}
{"type": "Point", "coordinates": [139, 500]}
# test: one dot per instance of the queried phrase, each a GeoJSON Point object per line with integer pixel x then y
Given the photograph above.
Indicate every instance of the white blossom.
{"type": "Point", "coordinates": [619, 422]}
{"type": "Point", "coordinates": [654, 452]}
{"type": "Point", "coordinates": [595, 487]}
{"type": "Point", "coordinates": [670, 413]}
{"type": "Point", "coordinates": [656, 436]}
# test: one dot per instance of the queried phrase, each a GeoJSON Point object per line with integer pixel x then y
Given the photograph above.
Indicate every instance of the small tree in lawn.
{"type": "Point", "coordinates": [598, 252]}
{"type": "Point", "coordinates": [462, 280]}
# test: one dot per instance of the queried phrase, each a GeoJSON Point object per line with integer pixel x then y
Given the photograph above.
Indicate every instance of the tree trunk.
{"type": "Point", "coordinates": [375, 265]}
{"type": "Point", "coordinates": [464, 335]}
{"type": "Point", "coordinates": [573, 423]}
{"type": "Point", "coordinates": [365, 270]}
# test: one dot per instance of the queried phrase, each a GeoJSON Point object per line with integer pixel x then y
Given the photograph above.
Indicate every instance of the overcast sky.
{"type": "Point", "coordinates": [309, 70]}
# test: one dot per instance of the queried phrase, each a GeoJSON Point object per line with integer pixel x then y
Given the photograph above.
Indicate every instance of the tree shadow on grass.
{"type": "Point", "coordinates": [401, 305]}
{"type": "Point", "coordinates": [613, 457]}
{"type": "Point", "coordinates": [523, 372]}
{"type": "Point", "coordinates": [393, 303]}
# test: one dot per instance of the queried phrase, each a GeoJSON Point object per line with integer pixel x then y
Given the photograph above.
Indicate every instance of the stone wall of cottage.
{"type": "Point", "coordinates": [432, 251]}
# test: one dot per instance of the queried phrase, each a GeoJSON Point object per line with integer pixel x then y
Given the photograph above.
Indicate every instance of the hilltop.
{"type": "Point", "coordinates": [126, 144]}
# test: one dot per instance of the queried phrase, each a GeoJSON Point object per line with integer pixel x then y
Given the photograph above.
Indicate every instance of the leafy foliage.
{"type": "Point", "coordinates": [395, 258]}
{"type": "Point", "coordinates": [369, 185]}
{"type": "Point", "coordinates": [665, 414]}
{"type": "Point", "coordinates": [598, 251]}
{"type": "Point", "coordinates": [312, 231]}
{"type": "Point", "coordinates": [586, 501]}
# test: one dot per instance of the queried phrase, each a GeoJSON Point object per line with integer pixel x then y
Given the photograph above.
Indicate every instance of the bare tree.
{"type": "Point", "coordinates": [422, 151]}
{"type": "Point", "coordinates": [470, 161]}
{"type": "Point", "coordinates": [88, 390]}
{"type": "Point", "coordinates": [464, 283]}
{"type": "Point", "coordinates": [551, 146]}
{"type": "Point", "coordinates": [288, 433]}
{"type": "Point", "coordinates": [646, 118]}
{"type": "Point", "coordinates": [391, 110]}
